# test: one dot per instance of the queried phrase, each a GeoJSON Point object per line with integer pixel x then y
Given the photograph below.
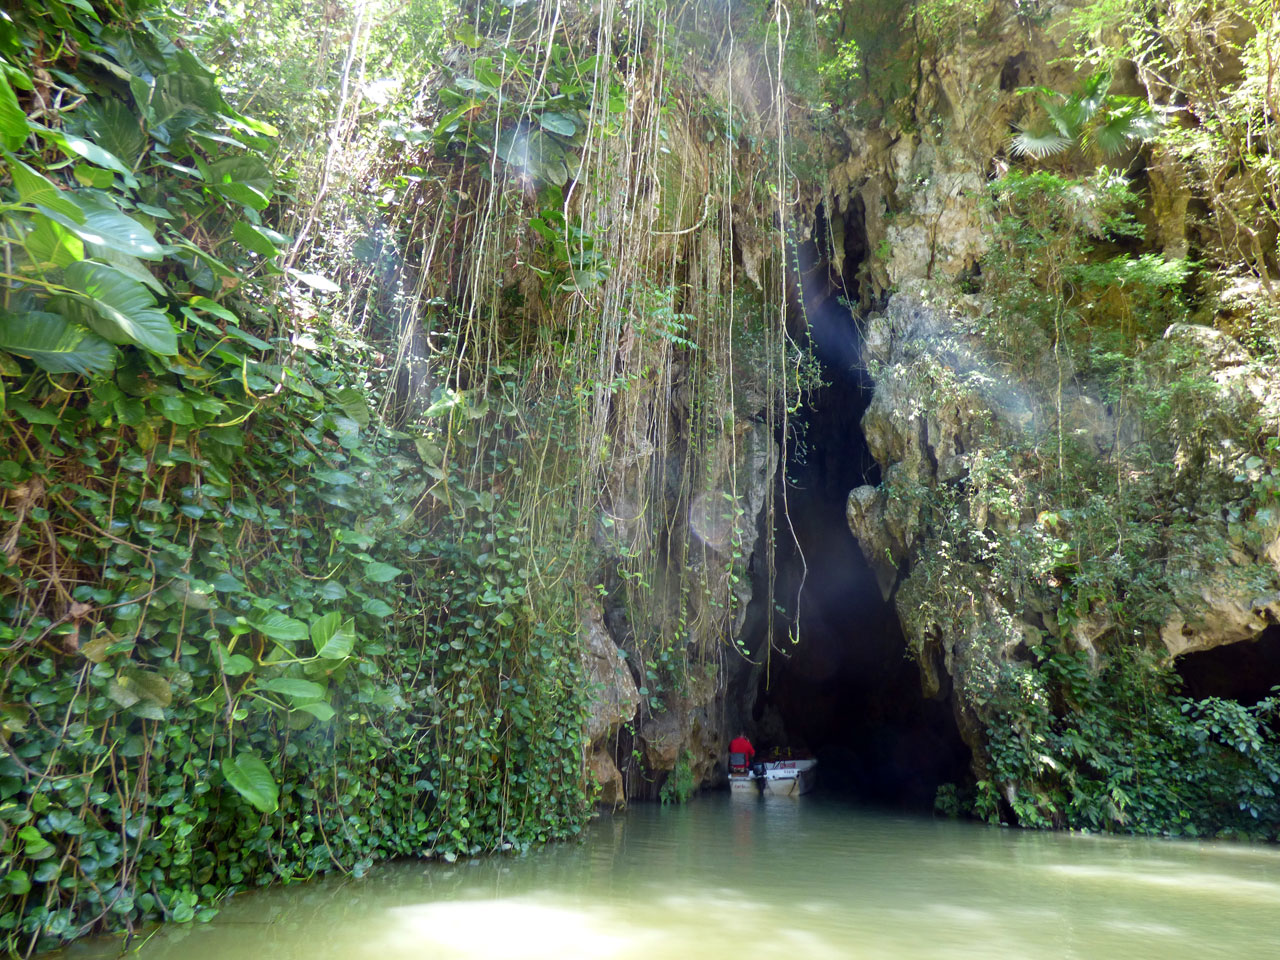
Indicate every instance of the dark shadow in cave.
{"type": "Point", "coordinates": [846, 691]}
{"type": "Point", "coordinates": [1244, 671]}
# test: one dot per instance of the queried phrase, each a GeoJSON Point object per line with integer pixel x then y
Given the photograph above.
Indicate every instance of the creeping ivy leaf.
{"type": "Point", "coordinates": [280, 627]}
{"type": "Point", "coordinates": [250, 778]}
{"type": "Point", "coordinates": [381, 572]}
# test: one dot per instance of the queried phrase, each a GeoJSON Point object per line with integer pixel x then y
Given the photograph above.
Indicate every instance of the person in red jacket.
{"type": "Point", "coordinates": [740, 745]}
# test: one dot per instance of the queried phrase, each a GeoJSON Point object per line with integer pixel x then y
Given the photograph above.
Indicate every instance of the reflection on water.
{"type": "Point", "coordinates": [760, 878]}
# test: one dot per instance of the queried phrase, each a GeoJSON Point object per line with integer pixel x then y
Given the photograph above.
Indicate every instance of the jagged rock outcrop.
{"type": "Point", "coordinates": [613, 702]}
{"type": "Point", "coordinates": [943, 405]}
{"type": "Point", "coordinates": [719, 527]}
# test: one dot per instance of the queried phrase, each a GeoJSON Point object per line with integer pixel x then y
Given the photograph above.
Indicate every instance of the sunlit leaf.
{"type": "Point", "coordinates": [54, 344]}
{"type": "Point", "coordinates": [250, 778]}
{"type": "Point", "coordinates": [333, 637]}
{"type": "Point", "coordinates": [13, 121]}
{"type": "Point", "coordinates": [126, 311]}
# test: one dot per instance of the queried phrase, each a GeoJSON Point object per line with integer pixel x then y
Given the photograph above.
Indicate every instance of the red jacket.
{"type": "Point", "coordinates": [743, 746]}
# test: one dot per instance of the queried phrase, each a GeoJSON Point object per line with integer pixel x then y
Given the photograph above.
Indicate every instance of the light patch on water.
{"type": "Point", "coordinates": [955, 913]}
{"type": "Point", "coordinates": [1214, 884]}
{"type": "Point", "coordinates": [1147, 929]}
{"type": "Point", "coordinates": [513, 929]}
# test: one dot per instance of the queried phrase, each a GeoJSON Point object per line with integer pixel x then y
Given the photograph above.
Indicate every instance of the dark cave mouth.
{"type": "Point", "coordinates": [1245, 671]}
{"type": "Point", "coordinates": [845, 691]}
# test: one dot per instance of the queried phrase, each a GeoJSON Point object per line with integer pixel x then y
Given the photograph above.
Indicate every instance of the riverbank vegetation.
{"type": "Point", "coordinates": [306, 475]}
{"type": "Point", "coordinates": [351, 354]}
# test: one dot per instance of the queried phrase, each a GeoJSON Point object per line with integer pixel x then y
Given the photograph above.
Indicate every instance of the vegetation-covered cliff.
{"type": "Point", "coordinates": [395, 397]}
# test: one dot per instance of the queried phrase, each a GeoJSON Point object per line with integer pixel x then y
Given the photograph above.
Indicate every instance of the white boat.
{"type": "Point", "coordinates": [781, 778]}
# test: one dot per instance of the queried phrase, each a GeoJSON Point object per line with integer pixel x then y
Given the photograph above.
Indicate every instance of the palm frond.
{"type": "Point", "coordinates": [1065, 117]}
{"type": "Point", "coordinates": [1093, 94]}
{"type": "Point", "coordinates": [1039, 143]}
{"type": "Point", "coordinates": [1125, 123]}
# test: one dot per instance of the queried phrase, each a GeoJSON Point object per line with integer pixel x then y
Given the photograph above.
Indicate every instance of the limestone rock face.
{"type": "Point", "coordinates": [613, 701]}
{"type": "Point", "coordinates": [602, 769]}
{"type": "Point", "coordinates": [943, 407]}
{"type": "Point", "coordinates": [614, 697]}
{"type": "Point", "coordinates": [716, 525]}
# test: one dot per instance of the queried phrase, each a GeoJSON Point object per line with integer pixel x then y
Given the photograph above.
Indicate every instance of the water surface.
{"type": "Point", "coordinates": [771, 878]}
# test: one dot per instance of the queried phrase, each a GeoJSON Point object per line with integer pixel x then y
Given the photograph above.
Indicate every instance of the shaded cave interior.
{"type": "Point", "coordinates": [838, 683]}
{"type": "Point", "coordinates": [1245, 671]}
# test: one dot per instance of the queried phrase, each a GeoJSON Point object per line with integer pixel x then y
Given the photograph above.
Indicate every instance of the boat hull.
{"type": "Point", "coordinates": [784, 778]}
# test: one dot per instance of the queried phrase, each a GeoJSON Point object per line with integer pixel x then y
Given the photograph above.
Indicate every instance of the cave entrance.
{"type": "Point", "coordinates": [1244, 671]}
{"type": "Point", "coordinates": [846, 690]}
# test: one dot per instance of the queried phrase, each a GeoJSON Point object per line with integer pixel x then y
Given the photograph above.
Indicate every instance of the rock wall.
{"type": "Point", "coordinates": [693, 723]}
{"type": "Point", "coordinates": [943, 402]}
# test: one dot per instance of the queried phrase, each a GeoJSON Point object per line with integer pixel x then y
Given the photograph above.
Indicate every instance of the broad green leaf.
{"type": "Point", "coordinates": [381, 572]}
{"type": "Point", "coordinates": [558, 123]}
{"type": "Point", "coordinates": [106, 225]}
{"type": "Point", "coordinates": [126, 310]}
{"type": "Point", "coordinates": [354, 404]}
{"type": "Point", "coordinates": [232, 664]}
{"type": "Point", "coordinates": [125, 264]}
{"type": "Point", "coordinates": [148, 685]}
{"type": "Point", "coordinates": [314, 280]}
{"type": "Point", "coordinates": [294, 687]}
{"type": "Point", "coordinates": [54, 344]}
{"type": "Point", "coordinates": [52, 243]}
{"type": "Point", "coordinates": [250, 778]}
{"type": "Point", "coordinates": [35, 188]}
{"type": "Point", "coordinates": [244, 180]}
{"type": "Point", "coordinates": [117, 129]}
{"type": "Point", "coordinates": [333, 638]}
{"type": "Point", "coordinates": [218, 310]}
{"type": "Point", "coordinates": [176, 410]}
{"type": "Point", "coordinates": [88, 175]}
{"type": "Point", "coordinates": [430, 452]}
{"type": "Point", "coordinates": [254, 239]}
{"type": "Point", "coordinates": [96, 154]}
{"type": "Point", "coordinates": [320, 710]}
{"type": "Point", "coordinates": [280, 627]}
{"type": "Point", "coordinates": [13, 121]}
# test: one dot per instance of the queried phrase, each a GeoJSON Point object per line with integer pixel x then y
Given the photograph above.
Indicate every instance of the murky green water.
{"type": "Point", "coordinates": [751, 878]}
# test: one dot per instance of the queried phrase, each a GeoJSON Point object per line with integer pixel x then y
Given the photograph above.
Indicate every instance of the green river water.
{"type": "Point", "coordinates": [763, 878]}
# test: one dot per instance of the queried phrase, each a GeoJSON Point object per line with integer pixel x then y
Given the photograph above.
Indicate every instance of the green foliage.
{"type": "Point", "coordinates": [1081, 527]}
{"type": "Point", "coordinates": [679, 785]}
{"type": "Point", "coordinates": [1093, 119]}
{"type": "Point", "coordinates": [274, 610]}
{"type": "Point", "coordinates": [153, 150]}
{"type": "Point", "coordinates": [1116, 749]}
{"type": "Point", "coordinates": [251, 632]}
